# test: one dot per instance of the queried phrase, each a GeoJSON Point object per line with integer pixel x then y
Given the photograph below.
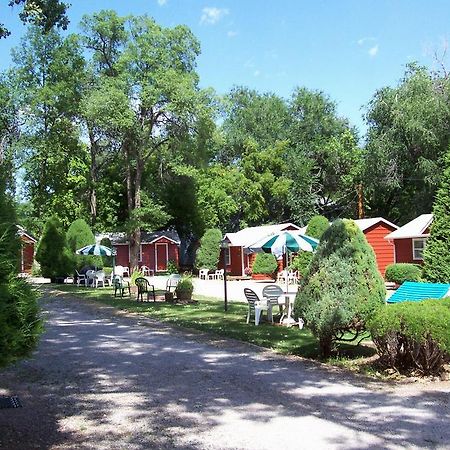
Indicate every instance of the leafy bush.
{"type": "Point", "coordinates": [413, 335]}
{"type": "Point", "coordinates": [400, 272]}
{"type": "Point", "coordinates": [172, 267]}
{"type": "Point", "coordinates": [107, 270]}
{"type": "Point", "coordinates": [52, 252]}
{"type": "Point", "coordinates": [36, 269]}
{"type": "Point", "coordinates": [184, 289]}
{"type": "Point", "coordinates": [317, 226]}
{"type": "Point", "coordinates": [78, 236]}
{"type": "Point", "coordinates": [301, 262]}
{"type": "Point", "coordinates": [209, 251]}
{"type": "Point", "coordinates": [342, 288]}
{"type": "Point", "coordinates": [265, 263]}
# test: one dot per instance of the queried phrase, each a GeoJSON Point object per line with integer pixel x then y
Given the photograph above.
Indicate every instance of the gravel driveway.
{"type": "Point", "coordinates": [101, 381]}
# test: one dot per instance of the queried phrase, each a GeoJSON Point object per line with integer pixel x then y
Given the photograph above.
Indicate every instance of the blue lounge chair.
{"type": "Point", "coordinates": [415, 292]}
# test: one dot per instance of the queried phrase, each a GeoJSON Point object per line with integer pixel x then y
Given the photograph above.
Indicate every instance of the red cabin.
{"type": "Point", "coordinates": [375, 230]}
{"type": "Point", "coordinates": [156, 249]}
{"type": "Point", "coordinates": [410, 239]}
{"type": "Point", "coordinates": [27, 251]}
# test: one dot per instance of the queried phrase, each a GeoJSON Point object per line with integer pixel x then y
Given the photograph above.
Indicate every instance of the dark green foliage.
{"type": "Point", "coordinates": [401, 272]}
{"type": "Point", "coordinates": [52, 252]}
{"type": "Point", "coordinates": [317, 226]}
{"type": "Point", "coordinates": [184, 286]}
{"type": "Point", "coordinates": [265, 263]}
{"type": "Point", "coordinates": [413, 335]}
{"type": "Point", "coordinates": [343, 287]}
{"type": "Point", "coordinates": [172, 267]}
{"type": "Point", "coordinates": [78, 236]}
{"type": "Point", "coordinates": [20, 326]}
{"type": "Point", "coordinates": [107, 260]}
{"type": "Point", "coordinates": [209, 251]}
{"type": "Point", "coordinates": [301, 263]}
{"type": "Point", "coordinates": [437, 249]}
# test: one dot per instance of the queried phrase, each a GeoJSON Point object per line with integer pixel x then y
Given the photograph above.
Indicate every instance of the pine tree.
{"type": "Point", "coordinates": [437, 249]}
{"type": "Point", "coordinates": [343, 287]}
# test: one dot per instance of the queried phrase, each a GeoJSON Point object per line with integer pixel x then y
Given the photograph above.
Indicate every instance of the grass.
{"type": "Point", "coordinates": [208, 315]}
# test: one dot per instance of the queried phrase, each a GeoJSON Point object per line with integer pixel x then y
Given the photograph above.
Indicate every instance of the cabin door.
{"type": "Point", "coordinates": [161, 256]}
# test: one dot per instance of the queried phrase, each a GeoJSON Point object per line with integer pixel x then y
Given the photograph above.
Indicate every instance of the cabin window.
{"type": "Point", "coordinates": [418, 246]}
{"type": "Point", "coordinates": [227, 256]}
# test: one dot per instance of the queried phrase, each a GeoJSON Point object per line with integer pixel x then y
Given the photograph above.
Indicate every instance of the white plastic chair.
{"type": "Point", "coordinates": [118, 270]}
{"type": "Point", "coordinates": [281, 276]}
{"type": "Point", "coordinates": [219, 274]}
{"type": "Point", "coordinates": [126, 272]}
{"type": "Point", "coordinates": [257, 306]}
{"type": "Point", "coordinates": [100, 277]}
{"type": "Point", "coordinates": [81, 278]}
{"type": "Point", "coordinates": [90, 278]}
{"type": "Point", "coordinates": [203, 274]}
{"type": "Point", "coordinates": [146, 271]}
{"type": "Point", "coordinates": [292, 277]}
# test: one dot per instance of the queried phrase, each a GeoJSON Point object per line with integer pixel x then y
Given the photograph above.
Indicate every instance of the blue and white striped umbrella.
{"type": "Point", "coordinates": [95, 250]}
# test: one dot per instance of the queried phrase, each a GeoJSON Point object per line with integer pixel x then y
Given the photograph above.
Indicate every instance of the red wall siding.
{"type": "Point", "coordinates": [27, 256]}
{"type": "Point", "coordinates": [403, 251]}
{"type": "Point", "coordinates": [235, 266]}
{"type": "Point", "coordinates": [384, 250]}
{"type": "Point", "coordinates": [122, 258]}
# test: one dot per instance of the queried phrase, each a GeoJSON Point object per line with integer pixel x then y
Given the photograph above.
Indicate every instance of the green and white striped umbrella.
{"type": "Point", "coordinates": [288, 241]}
{"type": "Point", "coordinates": [95, 250]}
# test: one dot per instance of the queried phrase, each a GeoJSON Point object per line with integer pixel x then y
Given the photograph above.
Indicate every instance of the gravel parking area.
{"type": "Point", "coordinates": [104, 381]}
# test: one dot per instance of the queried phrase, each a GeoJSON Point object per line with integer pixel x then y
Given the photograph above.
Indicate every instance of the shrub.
{"type": "Point", "coordinates": [52, 252]}
{"type": "Point", "coordinates": [209, 251]}
{"type": "Point", "coordinates": [20, 326]}
{"type": "Point", "coordinates": [301, 263]}
{"type": "Point", "coordinates": [265, 263]}
{"type": "Point", "coordinates": [436, 255]}
{"type": "Point", "coordinates": [184, 289]}
{"type": "Point", "coordinates": [413, 335]}
{"type": "Point", "coordinates": [36, 269]}
{"type": "Point", "coordinates": [172, 267]}
{"type": "Point", "coordinates": [79, 235]}
{"type": "Point", "coordinates": [342, 288]}
{"type": "Point", "coordinates": [400, 272]}
{"type": "Point", "coordinates": [317, 226]}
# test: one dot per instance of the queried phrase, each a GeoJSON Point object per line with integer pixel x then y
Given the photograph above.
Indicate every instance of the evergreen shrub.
{"type": "Point", "coordinates": [78, 236]}
{"type": "Point", "coordinates": [301, 262]}
{"type": "Point", "coordinates": [209, 251]}
{"type": "Point", "coordinates": [413, 336]}
{"type": "Point", "coordinates": [342, 288]}
{"type": "Point", "coordinates": [265, 263]}
{"type": "Point", "coordinates": [184, 289]}
{"type": "Point", "coordinates": [317, 225]}
{"type": "Point", "coordinates": [436, 255]}
{"type": "Point", "coordinates": [52, 252]}
{"type": "Point", "coordinates": [401, 272]}
{"type": "Point", "coordinates": [172, 267]}
{"type": "Point", "coordinates": [107, 261]}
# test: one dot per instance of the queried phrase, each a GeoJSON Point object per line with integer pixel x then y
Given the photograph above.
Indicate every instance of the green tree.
{"type": "Point", "coordinates": [47, 80]}
{"type": "Point", "coordinates": [78, 236]}
{"type": "Point", "coordinates": [44, 13]}
{"type": "Point", "coordinates": [107, 260]}
{"type": "Point", "coordinates": [407, 139]}
{"type": "Point", "coordinates": [436, 256]}
{"type": "Point", "coordinates": [52, 252]}
{"type": "Point", "coordinates": [146, 97]}
{"type": "Point", "coordinates": [342, 288]}
{"type": "Point", "coordinates": [209, 250]}
{"type": "Point", "coordinates": [317, 226]}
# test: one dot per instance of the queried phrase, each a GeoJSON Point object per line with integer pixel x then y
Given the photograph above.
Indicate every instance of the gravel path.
{"type": "Point", "coordinates": [101, 381]}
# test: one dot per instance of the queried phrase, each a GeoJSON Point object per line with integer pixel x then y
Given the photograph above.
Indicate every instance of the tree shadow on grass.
{"type": "Point", "coordinates": [107, 382]}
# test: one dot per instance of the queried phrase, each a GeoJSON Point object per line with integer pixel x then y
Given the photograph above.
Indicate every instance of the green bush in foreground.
{"type": "Point", "coordinates": [401, 272]}
{"type": "Point", "coordinates": [413, 335]}
{"type": "Point", "coordinates": [265, 263]}
{"type": "Point", "coordinates": [342, 288]}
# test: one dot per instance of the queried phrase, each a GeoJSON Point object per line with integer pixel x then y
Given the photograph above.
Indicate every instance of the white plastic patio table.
{"type": "Point", "coordinates": [287, 299]}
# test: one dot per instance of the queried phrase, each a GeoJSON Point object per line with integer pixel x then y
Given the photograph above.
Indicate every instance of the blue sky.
{"type": "Point", "coordinates": [346, 48]}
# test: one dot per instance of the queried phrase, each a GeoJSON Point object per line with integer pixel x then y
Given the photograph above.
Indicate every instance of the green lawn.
{"type": "Point", "coordinates": [208, 315]}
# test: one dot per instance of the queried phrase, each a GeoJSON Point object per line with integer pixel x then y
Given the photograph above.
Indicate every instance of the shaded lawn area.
{"type": "Point", "coordinates": [208, 315]}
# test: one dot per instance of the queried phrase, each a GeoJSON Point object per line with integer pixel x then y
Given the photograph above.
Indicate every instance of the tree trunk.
{"type": "Point", "coordinates": [93, 179]}
{"type": "Point", "coordinates": [135, 200]}
{"type": "Point", "coordinates": [326, 346]}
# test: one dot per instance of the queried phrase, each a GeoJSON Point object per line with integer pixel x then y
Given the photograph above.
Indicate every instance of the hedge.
{"type": "Point", "coordinates": [413, 336]}
{"type": "Point", "coordinates": [265, 263]}
{"type": "Point", "coordinates": [401, 272]}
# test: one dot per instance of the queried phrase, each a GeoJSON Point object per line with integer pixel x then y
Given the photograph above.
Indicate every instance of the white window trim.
{"type": "Point", "coordinates": [424, 240]}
